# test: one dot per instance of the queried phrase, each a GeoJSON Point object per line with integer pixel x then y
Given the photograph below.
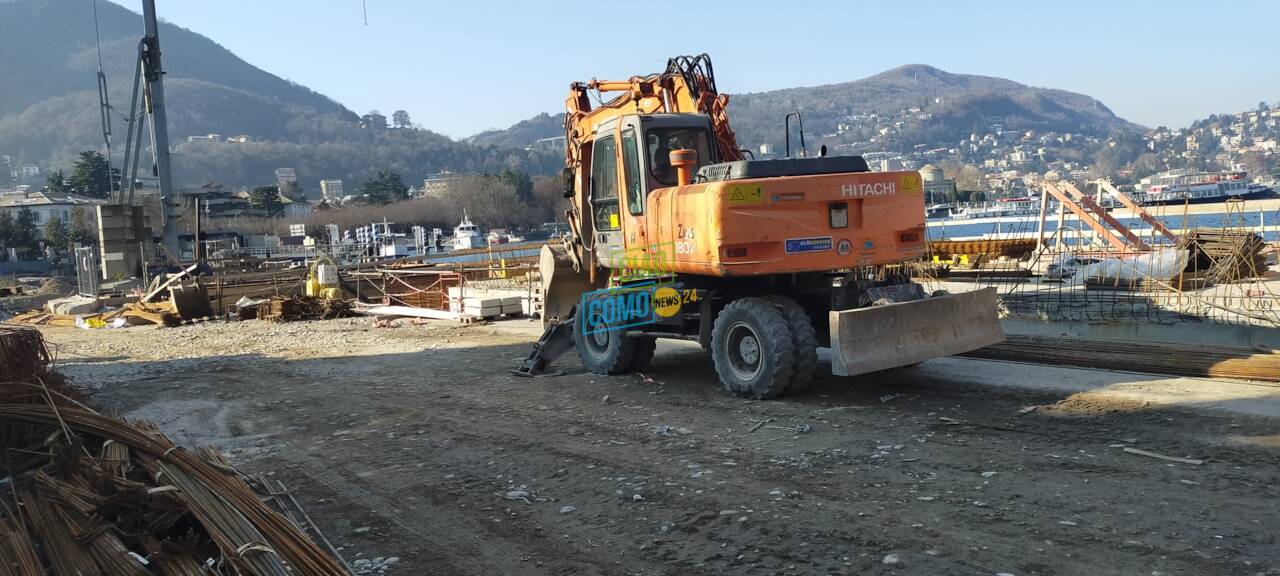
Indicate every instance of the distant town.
{"type": "Point", "coordinates": [992, 172]}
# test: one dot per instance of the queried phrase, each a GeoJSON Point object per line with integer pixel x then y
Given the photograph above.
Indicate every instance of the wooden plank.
{"type": "Point", "coordinates": [1163, 457]}
{"type": "Point", "coordinates": [1084, 216]}
{"type": "Point", "coordinates": [1116, 225]}
{"type": "Point", "coordinates": [1137, 209]}
{"type": "Point", "coordinates": [165, 285]}
{"type": "Point", "coordinates": [412, 312]}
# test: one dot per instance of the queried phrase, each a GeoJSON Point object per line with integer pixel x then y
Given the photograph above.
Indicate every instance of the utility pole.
{"type": "Point", "coordinates": [104, 103]}
{"type": "Point", "coordinates": [154, 75]}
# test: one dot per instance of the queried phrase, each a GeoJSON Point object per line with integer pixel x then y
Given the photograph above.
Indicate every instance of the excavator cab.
{"type": "Point", "coordinates": [630, 157]}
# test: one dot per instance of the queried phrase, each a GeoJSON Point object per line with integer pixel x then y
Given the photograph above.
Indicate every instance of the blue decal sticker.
{"type": "Point", "coordinates": [808, 244]}
{"type": "Point", "coordinates": [868, 245]}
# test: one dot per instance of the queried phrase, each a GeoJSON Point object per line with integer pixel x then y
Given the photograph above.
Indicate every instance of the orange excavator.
{"type": "Point", "coordinates": [676, 233]}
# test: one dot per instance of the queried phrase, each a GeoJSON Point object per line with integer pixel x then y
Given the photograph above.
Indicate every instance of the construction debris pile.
{"type": "Point", "coordinates": [131, 314]}
{"type": "Point", "coordinates": [83, 493]}
{"type": "Point", "coordinates": [290, 309]}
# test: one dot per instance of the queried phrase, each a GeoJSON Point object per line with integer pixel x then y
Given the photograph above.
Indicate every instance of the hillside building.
{"type": "Point", "coordinates": [437, 185]}
{"type": "Point", "coordinates": [937, 188]}
{"type": "Point", "coordinates": [331, 191]}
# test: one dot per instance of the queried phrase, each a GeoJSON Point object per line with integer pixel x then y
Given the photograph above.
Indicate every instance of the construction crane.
{"type": "Point", "coordinates": [674, 234]}
{"type": "Point", "coordinates": [148, 83]}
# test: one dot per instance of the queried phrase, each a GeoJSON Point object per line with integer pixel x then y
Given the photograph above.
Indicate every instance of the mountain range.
{"type": "Point", "coordinates": [49, 107]}
{"type": "Point", "coordinates": [945, 107]}
{"type": "Point", "coordinates": [51, 111]}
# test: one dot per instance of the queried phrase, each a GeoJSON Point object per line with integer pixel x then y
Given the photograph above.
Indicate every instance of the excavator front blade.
{"type": "Point", "coordinates": [900, 334]}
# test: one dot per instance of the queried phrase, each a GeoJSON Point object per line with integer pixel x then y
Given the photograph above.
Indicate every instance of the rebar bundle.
{"type": "Point", "coordinates": [1225, 255]}
{"type": "Point", "coordinates": [87, 494]}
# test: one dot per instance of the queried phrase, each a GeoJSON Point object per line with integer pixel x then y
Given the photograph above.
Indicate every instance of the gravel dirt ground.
{"type": "Point", "coordinates": [415, 442]}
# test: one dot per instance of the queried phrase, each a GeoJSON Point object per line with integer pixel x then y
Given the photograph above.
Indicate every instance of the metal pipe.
{"type": "Point", "coordinates": [130, 146]}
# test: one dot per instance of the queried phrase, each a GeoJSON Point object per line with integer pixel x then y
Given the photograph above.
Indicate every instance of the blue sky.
{"type": "Point", "coordinates": [459, 67]}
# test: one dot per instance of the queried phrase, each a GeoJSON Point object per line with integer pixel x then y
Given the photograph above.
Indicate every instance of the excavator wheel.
{"type": "Point", "coordinates": [805, 340]}
{"type": "Point", "coordinates": [606, 351]}
{"type": "Point", "coordinates": [753, 349]}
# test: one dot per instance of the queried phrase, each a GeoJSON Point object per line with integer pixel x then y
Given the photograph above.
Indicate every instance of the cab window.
{"type": "Point", "coordinates": [631, 164]}
{"type": "Point", "coordinates": [659, 143]}
{"type": "Point", "coordinates": [604, 183]}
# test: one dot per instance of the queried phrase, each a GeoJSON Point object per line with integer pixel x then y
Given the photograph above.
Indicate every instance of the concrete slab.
{"type": "Point", "coordinates": [1252, 398]}
{"type": "Point", "coordinates": [74, 305]}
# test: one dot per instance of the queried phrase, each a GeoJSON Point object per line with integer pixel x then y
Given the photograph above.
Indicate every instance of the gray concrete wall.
{"type": "Point", "coordinates": [122, 231]}
{"type": "Point", "coordinates": [1186, 332]}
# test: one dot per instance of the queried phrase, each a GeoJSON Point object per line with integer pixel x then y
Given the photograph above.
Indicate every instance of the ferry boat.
{"type": "Point", "coordinates": [1003, 207]}
{"type": "Point", "coordinates": [1185, 187]}
{"type": "Point", "coordinates": [466, 235]}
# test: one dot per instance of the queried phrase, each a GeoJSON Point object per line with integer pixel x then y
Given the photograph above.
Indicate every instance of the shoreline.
{"type": "Point", "coordinates": [1267, 205]}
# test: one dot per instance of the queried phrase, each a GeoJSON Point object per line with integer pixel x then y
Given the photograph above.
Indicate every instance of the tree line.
{"type": "Point", "coordinates": [22, 233]}
{"type": "Point", "coordinates": [508, 199]}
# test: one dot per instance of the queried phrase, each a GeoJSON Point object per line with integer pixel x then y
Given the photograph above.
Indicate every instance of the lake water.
{"type": "Point", "coordinates": [959, 229]}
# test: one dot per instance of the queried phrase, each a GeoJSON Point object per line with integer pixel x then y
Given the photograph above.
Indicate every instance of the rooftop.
{"type": "Point", "coordinates": [42, 198]}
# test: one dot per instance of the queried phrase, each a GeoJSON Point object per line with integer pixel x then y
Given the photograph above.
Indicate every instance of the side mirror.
{"type": "Point", "coordinates": [566, 179]}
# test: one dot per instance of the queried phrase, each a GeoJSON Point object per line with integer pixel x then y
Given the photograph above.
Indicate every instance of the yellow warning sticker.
{"type": "Point", "coordinates": [911, 183]}
{"type": "Point", "coordinates": [613, 221]}
{"type": "Point", "coordinates": [745, 195]}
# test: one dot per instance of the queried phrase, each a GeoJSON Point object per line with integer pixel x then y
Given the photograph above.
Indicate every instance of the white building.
{"type": "Point", "coordinates": [331, 190]}
{"type": "Point", "coordinates": [437, 185]}
{"type": "Point", "coordinates": [294, 209]}
{"type": "Point", "coordinates": [44, 206]}
{"type": "Point", "coordinates": [552, 144]}
{"type": "Point", "coordinates": [205, 138]}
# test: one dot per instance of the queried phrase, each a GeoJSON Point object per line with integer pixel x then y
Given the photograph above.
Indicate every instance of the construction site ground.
{"type": "Point", "coordinates": [415, 442]}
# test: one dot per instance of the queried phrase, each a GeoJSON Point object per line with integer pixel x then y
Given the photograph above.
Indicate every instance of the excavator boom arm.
{"type": "Point", "coordinates": [687, 86]}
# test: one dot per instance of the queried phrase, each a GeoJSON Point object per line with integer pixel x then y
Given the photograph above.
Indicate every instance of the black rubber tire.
{"type": "Point", "coordinates": [762, 322]}
{"type": "Point", "coordinates": [643, 352]}
{"type": "Point", "coordinates": [613, 356]}
{"type": "Point", "coordinates": [805, 340]}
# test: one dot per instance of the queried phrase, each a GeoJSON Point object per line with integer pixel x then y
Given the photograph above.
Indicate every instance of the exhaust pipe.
{"type": "Point", "coordinates": [683, 160]}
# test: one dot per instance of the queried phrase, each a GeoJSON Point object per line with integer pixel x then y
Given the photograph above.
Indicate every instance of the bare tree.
{"type": "Point", "coordinates": [400, 119]}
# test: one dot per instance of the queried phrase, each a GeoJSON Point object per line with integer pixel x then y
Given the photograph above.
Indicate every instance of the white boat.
{"type": "Point", "coordinates": [1027, 206]}
{"type": "Point", "coordinates": [1188, 187]}
{"type": "Point", "coordinates": [466, 235]}
{"type": "Point", "coordinates": [497, 236]}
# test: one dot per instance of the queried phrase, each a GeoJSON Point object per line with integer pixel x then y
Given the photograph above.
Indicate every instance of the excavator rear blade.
{"type": "Point", "coordinates": [900, 334]}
